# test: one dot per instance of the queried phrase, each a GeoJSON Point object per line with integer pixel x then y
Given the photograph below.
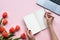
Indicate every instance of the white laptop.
{"type": "Point", "coordinates": [35, 21]}
{"type": "Point", "coordinates": [52, 5]}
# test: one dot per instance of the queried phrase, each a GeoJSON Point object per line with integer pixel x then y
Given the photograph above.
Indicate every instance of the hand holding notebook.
{"type": "Point", "coordinates": [36, 21]}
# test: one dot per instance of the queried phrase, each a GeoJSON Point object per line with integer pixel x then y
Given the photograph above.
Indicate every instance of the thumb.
{"type": "Point", "coordinates": [30, 33]}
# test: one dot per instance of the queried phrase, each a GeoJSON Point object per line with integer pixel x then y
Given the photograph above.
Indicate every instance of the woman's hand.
{"type": "Point", "coordinates": [49, 18]}
{"type": "Point", "coordinates": [30, 35]}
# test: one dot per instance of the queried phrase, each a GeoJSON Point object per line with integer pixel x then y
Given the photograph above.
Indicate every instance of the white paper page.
{"type": "Point", "coordinates": [35, 21]}
{"type": "Point", "coordinates": [40, 18]}
{"type": "Point", "coordinates": [32, 23]}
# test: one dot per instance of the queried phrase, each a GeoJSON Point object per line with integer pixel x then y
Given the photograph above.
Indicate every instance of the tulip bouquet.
{"type": "Point", "coordinates": [4, 35]}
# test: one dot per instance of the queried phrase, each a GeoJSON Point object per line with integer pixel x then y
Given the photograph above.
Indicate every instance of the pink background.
{"type": "Point", "coordinates": [17, 9]}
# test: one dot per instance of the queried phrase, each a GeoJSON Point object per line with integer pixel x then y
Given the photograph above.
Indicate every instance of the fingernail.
{"type": "Point", "coordinates": [29, 30]}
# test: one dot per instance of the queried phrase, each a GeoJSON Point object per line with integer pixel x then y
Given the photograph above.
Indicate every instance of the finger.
{"type": "Point", "coordinates": [31, 34]}
{"type": "Point", "coordinates": [49, 16]}
{"type": "Point", "coordinates": [48, 12]}
{"type": "Point", "coordinates": [46, 15]}
{"type": "Point", "coordinates": [27, 31]}
{"type": "Point", "coordinates": [52, 18]}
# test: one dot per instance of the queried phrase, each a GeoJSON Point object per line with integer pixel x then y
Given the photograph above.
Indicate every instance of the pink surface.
{"type": "Point", "coordinates": [17, 9]}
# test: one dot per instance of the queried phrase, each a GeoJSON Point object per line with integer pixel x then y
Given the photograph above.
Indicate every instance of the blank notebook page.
{"type": "Point", "coordinates": [35, 21]}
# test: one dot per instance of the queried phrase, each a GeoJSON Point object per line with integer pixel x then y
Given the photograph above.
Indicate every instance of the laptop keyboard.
{"type": "Point", "coordinates": [56, 1]}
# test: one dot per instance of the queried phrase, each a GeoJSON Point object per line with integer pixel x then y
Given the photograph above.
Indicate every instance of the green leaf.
{"type": "Point", "coordinates": [10, 39]}
{"type": "Point", "coordinates": [1, 37]}
{"type": "Point", "coordinates": [0, 22]}
{"type": "Point", "coordinates": [16, 39]}
{"type": "Point", "coordinates": [11, 35]}
{"type": "Point", "coordinates": [5, 39]}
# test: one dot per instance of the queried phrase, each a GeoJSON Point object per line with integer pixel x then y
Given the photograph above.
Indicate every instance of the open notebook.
{"type": "Point", "coordinates": [35, 21]}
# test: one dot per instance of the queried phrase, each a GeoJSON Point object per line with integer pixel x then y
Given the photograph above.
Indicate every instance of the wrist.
{"type": "Point", "coordinates": [32, 38]}
{"type": "Point", "coordinates": [50, 25]}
